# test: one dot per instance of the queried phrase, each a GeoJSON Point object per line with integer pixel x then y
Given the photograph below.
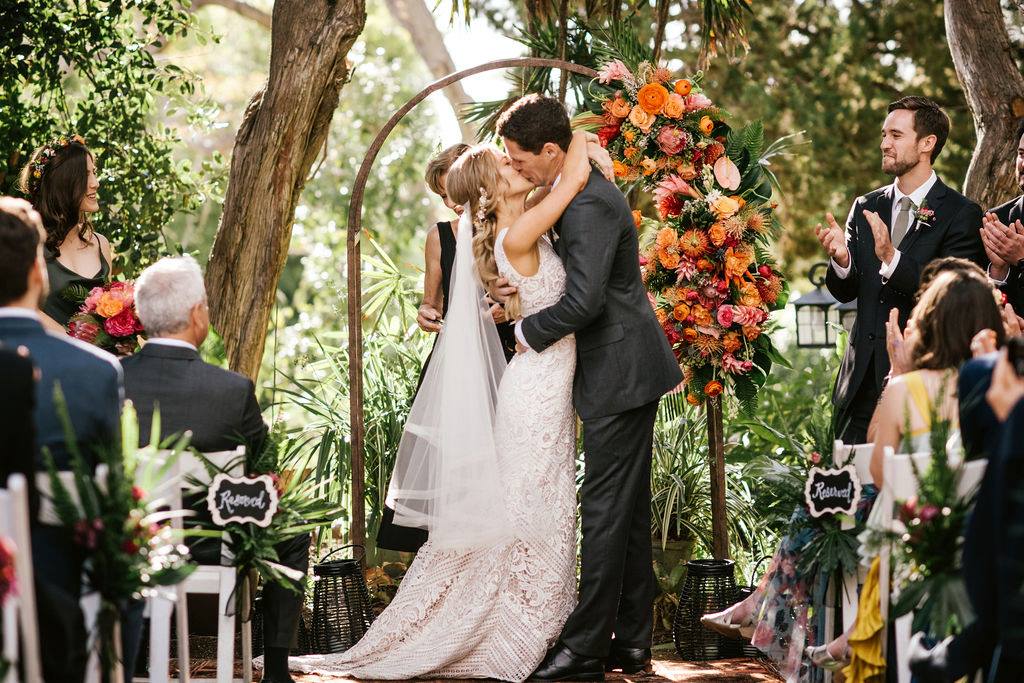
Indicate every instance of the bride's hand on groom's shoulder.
{"type": "Point", "coordinates": [500, 290]}
{"type": "Point", "coordinates": [597, 154]}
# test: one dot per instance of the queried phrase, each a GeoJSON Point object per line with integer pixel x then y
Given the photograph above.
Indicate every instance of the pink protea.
{"type": "Point", "coordinates": [672, 140]}
{"type": "Point", "coordinates": [732, 365]}
{"type": "Point", "coordinates": [673, 185]}
{"type": "Point", "coordinates": [748, 315]}
{"type": "Point", "coordinates": [614, 70]}
{"type": "Point", "coordinates": [83, 329]}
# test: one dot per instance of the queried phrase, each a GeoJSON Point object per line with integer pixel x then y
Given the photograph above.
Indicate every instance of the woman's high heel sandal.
{"type": "Point", "coordinates": [721, 622]}
{"type": "Point", "coordinates": [822, 658]}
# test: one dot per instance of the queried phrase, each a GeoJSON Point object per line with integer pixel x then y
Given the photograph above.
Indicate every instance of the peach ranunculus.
{"type": "Point", "coordinates": [652, 98]}
{"type": "Point", "coordinates": [717, 234]}
{"type": "Point", "coordinates": [725, 206]}
{"type": "Point", "coordinates": [619, 107]}
{"type": "Point", "coordinates": [674, 107]}
{"type": "Point", "coordinates": [671, 140]}
{"type": "Point", "coordinates": [640, 118]}
{"type": "Point", "coordinates": [690, 334]}
{"type": "Point", "coordinates": [109, 305]}
{"type": "Point", "coordinates": [683, 87]}
{"type": "Point", "coordinates": [726, 173]}
{"type": "Point", "coordinates": [706, 125]}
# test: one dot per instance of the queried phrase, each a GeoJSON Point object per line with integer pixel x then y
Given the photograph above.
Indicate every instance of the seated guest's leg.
{"type": "Point", "coordinates": [281, 609]}
{"type": "Point", "coordinates": [61, 634]}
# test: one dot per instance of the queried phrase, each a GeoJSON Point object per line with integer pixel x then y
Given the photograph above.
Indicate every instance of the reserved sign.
{"type": "Point", "coordinates": [242, 500]}
{"type": "Point", "coordinates": [830, 492]}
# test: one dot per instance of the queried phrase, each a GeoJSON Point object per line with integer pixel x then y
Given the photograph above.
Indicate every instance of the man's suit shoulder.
{"type": "Point", "coordinates": [225, 378]}
{"type": "Point", "coordinates": [1003, 210]}
{"type": "Point", "coordinates": [81, 353]}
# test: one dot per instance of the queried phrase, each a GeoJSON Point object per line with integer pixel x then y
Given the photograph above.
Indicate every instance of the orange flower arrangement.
{"type": "Point", "coordinates": [707, 125]}
{"type": "Point", "coordinates": [683, 87]}
{"type": "Point", "coordinates": [717, 234]}
{"type": "Point", "coordinates": [620, 108]}
{"type": "Point", "coordinates": [652, 98]}
{"type": "Point", "coordinates": [681, 312]}
{"type": "Point", "coordinates": [693, 243]}
{"type": "Point", "coordinates": [641, 118]}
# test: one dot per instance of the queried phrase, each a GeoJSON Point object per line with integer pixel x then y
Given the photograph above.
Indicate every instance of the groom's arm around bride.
{"type": "Point", "coordinates": [624, 365]}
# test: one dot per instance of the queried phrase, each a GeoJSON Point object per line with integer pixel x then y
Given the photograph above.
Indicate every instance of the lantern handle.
{"type": "Point", "coordinates": [817, 274]}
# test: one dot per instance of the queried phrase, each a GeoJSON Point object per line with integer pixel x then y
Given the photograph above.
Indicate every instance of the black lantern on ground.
{"type": "Point", "coordinates": [816, 317]}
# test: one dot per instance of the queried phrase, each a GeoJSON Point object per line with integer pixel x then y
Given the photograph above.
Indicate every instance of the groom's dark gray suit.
{"type": "Point", "coordinates": [624, 365]}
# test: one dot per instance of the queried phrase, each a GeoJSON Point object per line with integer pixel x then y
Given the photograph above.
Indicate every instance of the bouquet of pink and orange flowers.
{"type": "Point", "coordinates": [709, 274]}
{"type": "Point", "coordinates": [108, 319]}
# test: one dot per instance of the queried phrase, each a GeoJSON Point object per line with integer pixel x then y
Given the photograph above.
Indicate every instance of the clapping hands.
{"type": "Point", "coordinates": [884, 249]}
{"type": "Point", "coordinates": [900, 359]}
{"type": "Point", "coordinates": [1004, 244]}
{"type": "Point", "coordinates": [833, 238]}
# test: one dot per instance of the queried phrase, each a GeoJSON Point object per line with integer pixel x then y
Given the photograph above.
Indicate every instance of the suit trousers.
{"type": "Point", "coordinates": [857, 416]}
{"type": "Point", "coordinates": [58, 567]}
{"type": "Point", "coordinates": [617, 582]}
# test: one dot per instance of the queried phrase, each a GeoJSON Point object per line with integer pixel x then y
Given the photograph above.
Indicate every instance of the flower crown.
{"type": "Point", "coordinates": [46, 155]}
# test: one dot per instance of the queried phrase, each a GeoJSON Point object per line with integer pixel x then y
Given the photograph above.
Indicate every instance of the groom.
{"type": "Point", "coordinates": [624, 366]}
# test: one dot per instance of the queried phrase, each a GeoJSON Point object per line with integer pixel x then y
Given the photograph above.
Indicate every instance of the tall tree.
{"type": "Point", "coordinates": [991, 78]}
{"type": "Point", "coordinates": [284, 130]}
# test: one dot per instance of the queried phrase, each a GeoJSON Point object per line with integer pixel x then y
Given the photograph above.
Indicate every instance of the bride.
{"type": "Point", "coordinates": [487, 458]}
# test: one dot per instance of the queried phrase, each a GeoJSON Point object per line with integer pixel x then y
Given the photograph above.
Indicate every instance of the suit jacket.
{"type": "Point", "coordinates": [623, 358]}
{"type": "Point", "coordinates": [17, 428]}
{"type": "Point", "coordinates": [954, 231]}
{"type": "Point", "coordinates": [1014, 287]}
{"type": "Point", "coordinates": [90, 380]}
{"type": "Point", "coordinates": [217, 405]}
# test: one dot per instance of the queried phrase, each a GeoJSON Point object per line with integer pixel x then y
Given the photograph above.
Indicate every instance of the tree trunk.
{"type": "Point", "coordinates": [984, 63]}
{"type": "Point", "coordinates": [284, 128]}
{"type": "Point", "coordinates": [416, 18]}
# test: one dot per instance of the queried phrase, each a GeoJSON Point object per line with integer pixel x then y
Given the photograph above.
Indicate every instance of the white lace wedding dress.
{"type": "Point", "coordinates": [493, 612]}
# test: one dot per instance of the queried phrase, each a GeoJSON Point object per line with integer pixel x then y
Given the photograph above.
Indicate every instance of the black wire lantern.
{"type": "Point", "coordinates": [816, 315]}
{"type": "Point", "coordinates": [847, 315]}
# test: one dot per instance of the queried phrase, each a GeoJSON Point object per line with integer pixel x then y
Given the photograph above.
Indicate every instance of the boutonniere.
{"type": "Point", "coordinates": [924, 215]}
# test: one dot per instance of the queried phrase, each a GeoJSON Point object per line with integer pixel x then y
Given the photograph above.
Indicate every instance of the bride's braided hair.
{"type": "Point", "coordinates": [475, 182]}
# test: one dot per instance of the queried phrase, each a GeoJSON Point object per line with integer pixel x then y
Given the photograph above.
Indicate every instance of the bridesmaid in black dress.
{"type": "Point", "coordinates": [61, 182]}
{"type": "Point", "coordinates": [439, 259]}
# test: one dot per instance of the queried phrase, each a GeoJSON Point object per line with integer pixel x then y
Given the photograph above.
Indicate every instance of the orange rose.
{"type": "Point", "coordinates": [681, 312]}
{"type": "Point", "coordinates": [690, 334]}
{"type": "Point", "coordinates": [725, 206]}
{"type": "Point", "coordinates": [713, 388]}
{"type": "Point", "coordinates": [640, 118]}
{"type": "Point", "coordinates": [751, 332]}
{"type": "Point", "coordinates": [620, 169]}
{"type": "Point", "coordinates": [737, 261]}
{"type": "Point", "coordinates": [619, 107]}
{"type": "Point", "coordinates": [731, 342]}
{"type": "Point", "coordinates": [638, 218]}
{"type": "Point", "coordinates": [701, 315]}
{"type": "Point", "coordinates": [674, 107]}
{"type": "Point", "coordinates": [109, 305]}
{"type": "Point", "coordinates": [692, 399]}
{"type": "Point", "coordinates": [683, 87]}
{"type": "Point", "coordinates": [706, 125]}
{"type": "Point", "coordinates": [669, 259]}
{"type": "Point", "coordinates": [652, 98]}
{"type": "Point", "coordinates": [749, 295]}
{"type": "Point", "coordinates": [705, 265]}
{"type": "Point", "coordinates": [686, 171]}
{"type": "Point", "coordinates": [717, 234]}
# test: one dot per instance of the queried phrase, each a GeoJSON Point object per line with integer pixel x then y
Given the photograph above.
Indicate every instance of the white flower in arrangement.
{"type": "Point", "coordinates": [708, 175]}
{"type": "Point", "coordinates": [714, 195]}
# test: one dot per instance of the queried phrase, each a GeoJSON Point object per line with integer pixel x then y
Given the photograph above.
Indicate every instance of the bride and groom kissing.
{"type": "Point", "coordinates": [487, 462]}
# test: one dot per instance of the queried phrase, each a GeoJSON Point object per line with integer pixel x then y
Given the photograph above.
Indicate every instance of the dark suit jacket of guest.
{"type": "Point", "coordinates": [1014, 287]}
{"type": "Point", "coordinates": [623, 358]}
{"type": "Point", "coordinates": [89, 378]}
{"type": "Point", "coordinates": [954, 231]}
{"type": "Point", "coordinates": [217, 405]}
{"type": "Point", "coordinates": [17, 428]}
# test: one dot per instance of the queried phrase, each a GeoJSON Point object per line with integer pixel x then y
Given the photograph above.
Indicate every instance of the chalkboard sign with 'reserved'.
{"type": "Point", "coordinates": [242, 499]}
{"type": "Point", "coordinates": [830, 492]}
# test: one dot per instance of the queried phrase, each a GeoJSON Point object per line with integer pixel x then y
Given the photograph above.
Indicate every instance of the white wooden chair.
{"type": "Point", "coordinates": [901, 483]}
{"type": "Point", "coordinates": [20, 609]}
{"type": "Point", "coordinates": [219, 580]}
{"type": "Point", "coordinates": [859, 456]}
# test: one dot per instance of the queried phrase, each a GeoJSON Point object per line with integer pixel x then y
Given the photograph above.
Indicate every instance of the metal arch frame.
{"type": "Point", "coordinates": [357, 532]}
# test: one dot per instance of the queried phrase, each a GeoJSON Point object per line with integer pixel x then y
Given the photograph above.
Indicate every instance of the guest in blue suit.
{"type": "Point", "coordinates": [91, 382]}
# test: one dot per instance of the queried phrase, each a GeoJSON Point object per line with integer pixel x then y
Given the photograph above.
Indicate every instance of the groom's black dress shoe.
{"type": "Point", "coordinates": [629, 660]}
{"type": "Point", "coordinates": [562, 664]}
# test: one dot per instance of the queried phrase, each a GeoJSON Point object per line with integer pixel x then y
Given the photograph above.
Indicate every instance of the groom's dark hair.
{"type": "Point", "coordinates": [929, 119]}
{"type": "Point", "coordinates": [534, 120]}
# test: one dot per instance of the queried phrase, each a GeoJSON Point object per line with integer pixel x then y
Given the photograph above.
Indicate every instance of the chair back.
{"type": "Point", "coordinates": [19, 612]}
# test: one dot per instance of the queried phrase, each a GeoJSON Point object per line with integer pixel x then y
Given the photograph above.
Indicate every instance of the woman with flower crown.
{"type": "Point", "coordinates": [487, 459]}
{"type": "Point", "coordinates": [61, 182]}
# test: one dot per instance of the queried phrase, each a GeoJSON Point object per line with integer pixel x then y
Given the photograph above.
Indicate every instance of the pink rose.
{"type": "Point", "coordinates": [90, 301]}
{"type": "Point", "coordinates": [614, 70]}
{"type": "Point", "coordinates": [122, 324]}
{"type": "Point", "coordinates": [696, 101]}
{"type": "Point", "coordinates": [725, 316]}
{"type": "Point", "coordinates": [671, 140]}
